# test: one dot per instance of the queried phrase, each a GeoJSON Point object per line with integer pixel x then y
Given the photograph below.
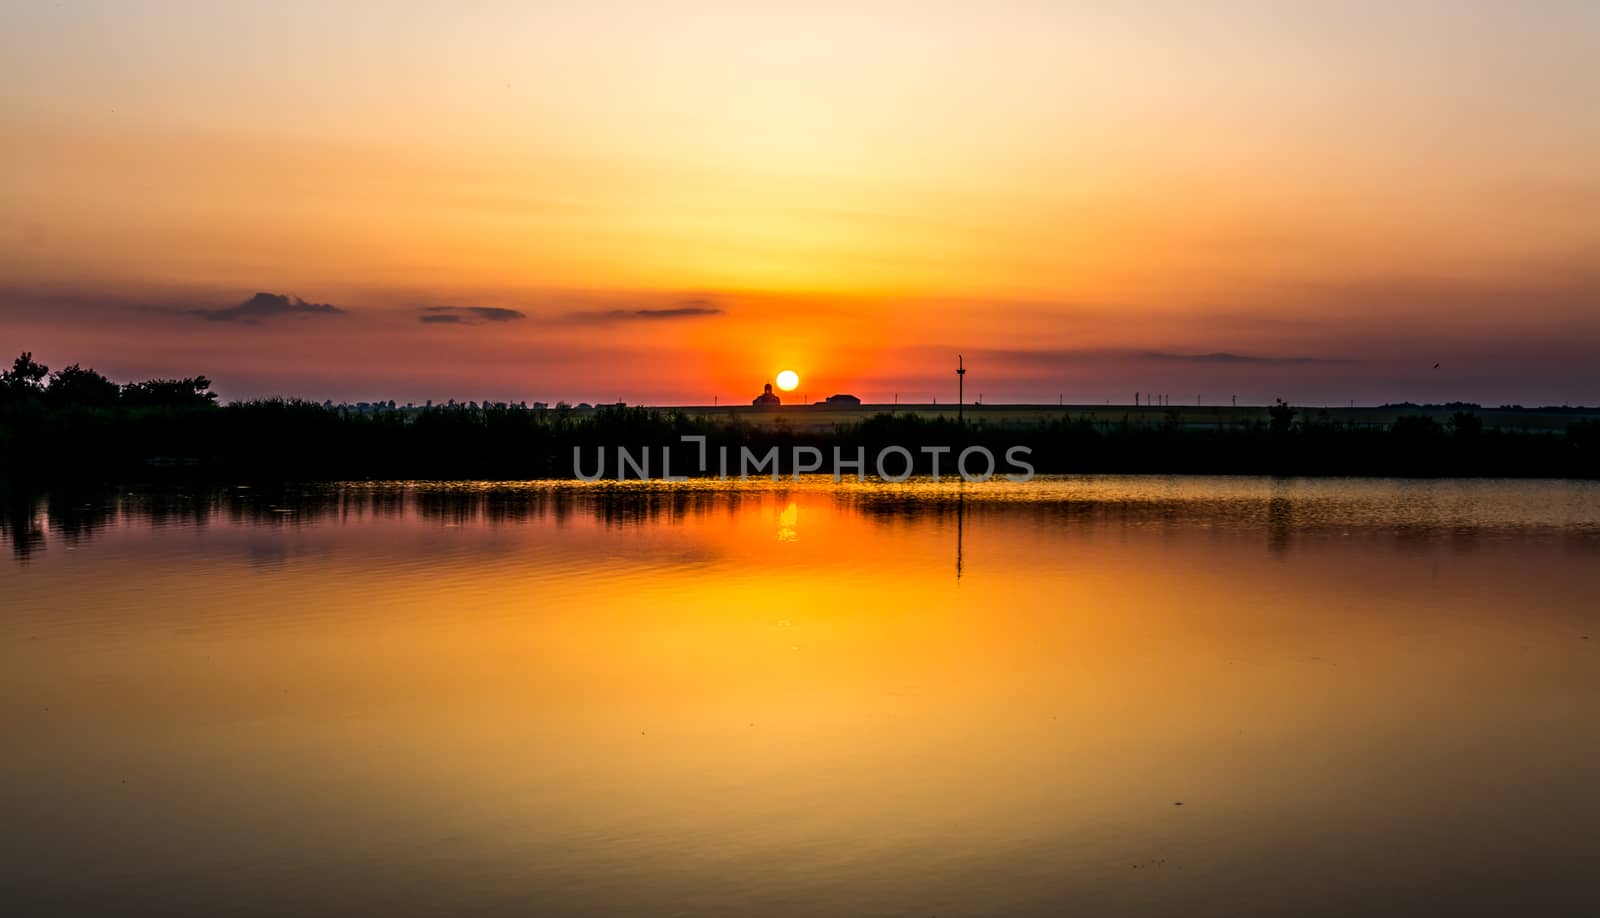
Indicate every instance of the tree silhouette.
{"type": "Point", "coordinates": [25, 377]}
{"type": "Point", "coordinates": [77, 386]}
{"type": "Point", "coordinates": [190, 392]}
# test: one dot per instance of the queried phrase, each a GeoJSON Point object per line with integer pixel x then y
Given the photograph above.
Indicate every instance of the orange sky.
{"type": "Point", "coordinates": [680, 202]}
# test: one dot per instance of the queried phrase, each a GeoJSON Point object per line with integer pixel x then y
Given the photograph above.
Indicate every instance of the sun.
{"type": "Point", "coordinates": [787, 380]}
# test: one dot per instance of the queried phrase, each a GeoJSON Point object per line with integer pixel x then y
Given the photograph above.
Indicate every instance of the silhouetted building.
{"type": "Point", "coordinates": [766, 399]}
{"type": "Point", "coordinates": [840, 399]}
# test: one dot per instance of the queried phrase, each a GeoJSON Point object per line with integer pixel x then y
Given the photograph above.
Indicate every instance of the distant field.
{"type": "Point", "coordinates": [824, 417]}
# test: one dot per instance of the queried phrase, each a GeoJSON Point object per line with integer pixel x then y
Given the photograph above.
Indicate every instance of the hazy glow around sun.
{"type": "Point", "coordinates": [787, 380]}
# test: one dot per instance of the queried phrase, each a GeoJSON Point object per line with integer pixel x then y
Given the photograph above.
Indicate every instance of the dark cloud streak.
{"type": "Point", "coordinates": [468, 315]}
{"type": "Point", "coordinates": [1225, 357]}
{"type": "Point", "coordinates": [265, 306]}
{"type": "Point", "coordinates": [1044, 358]}
{"type": "Point", "coordinates": [648, 315]}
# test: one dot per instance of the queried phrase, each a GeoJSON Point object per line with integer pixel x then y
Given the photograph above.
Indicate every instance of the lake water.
{"type": "Point", "coordinates": [1096, 696]}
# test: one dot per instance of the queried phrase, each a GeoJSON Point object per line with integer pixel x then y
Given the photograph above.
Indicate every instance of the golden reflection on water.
{"type": "Point", "coordinates": [1120, 696]}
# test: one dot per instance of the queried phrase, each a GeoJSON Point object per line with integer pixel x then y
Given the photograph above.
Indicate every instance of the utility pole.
{"type": "Point", "coordinates": [961, 389]}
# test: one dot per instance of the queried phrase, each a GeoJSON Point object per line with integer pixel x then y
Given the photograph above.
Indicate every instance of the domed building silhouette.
{"type": "Point", "coordinates": [766, 399]}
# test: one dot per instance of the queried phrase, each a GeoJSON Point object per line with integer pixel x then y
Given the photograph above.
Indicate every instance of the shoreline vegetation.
{"type": "Point", "coordinates": [76, 425]}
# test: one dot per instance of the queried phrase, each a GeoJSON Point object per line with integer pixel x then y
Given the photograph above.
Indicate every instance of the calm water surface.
{"type": "Point", "coordinates": [1099, 696]}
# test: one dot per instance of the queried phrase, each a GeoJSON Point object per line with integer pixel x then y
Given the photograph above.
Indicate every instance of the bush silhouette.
{"type": "Point", "coordinates": [1282, 416]}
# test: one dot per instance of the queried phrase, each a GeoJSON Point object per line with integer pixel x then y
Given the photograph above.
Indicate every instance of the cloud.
{"type": "Point", "coordinates": [1054, 358]}
{"type": "Point", "coordinates": [1229, 358]}
{"type": "Point", "coordinates": [265, 306]}
{"type": "Point", "coordinates": [468, 315]}
{"type": "Point", "coordinates": [688, 309]}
